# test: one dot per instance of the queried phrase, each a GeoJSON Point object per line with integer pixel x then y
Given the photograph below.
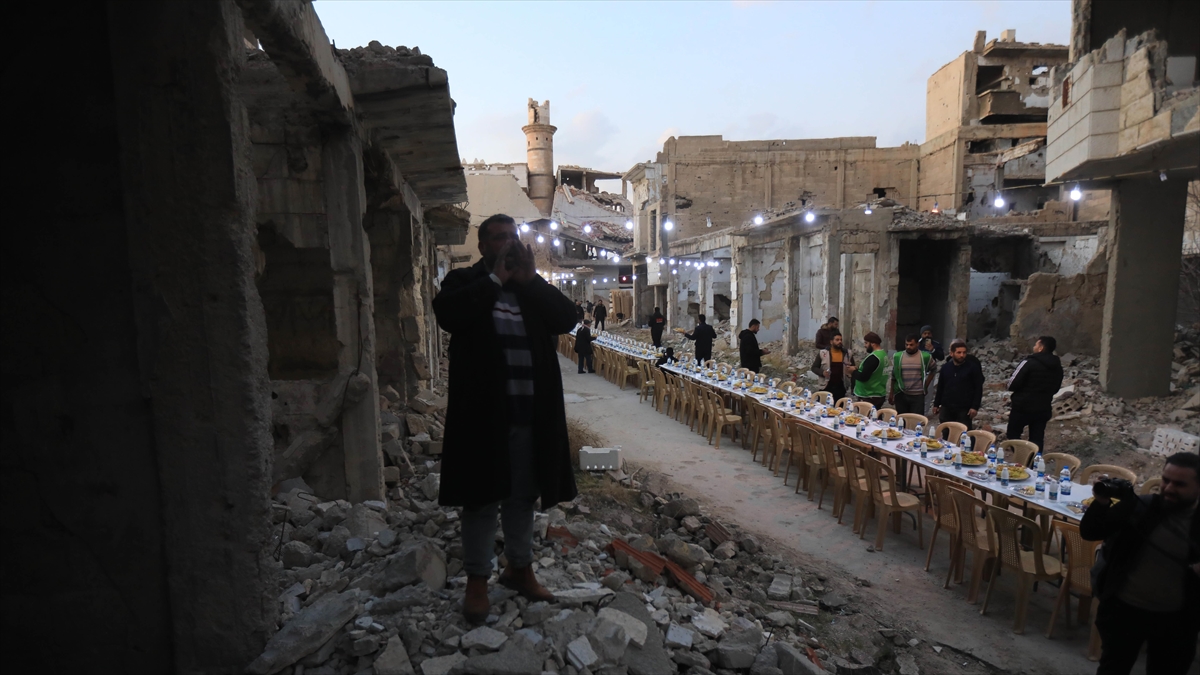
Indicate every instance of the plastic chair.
{"type": "Point", "coordinates": [783, 440]}
{"type": "Point", "coordinates": [981, 440]}
{"type": "Point", "coordinates": [823, 398]}
{"type": "Point", "coordinates": [1077, 578]}
{"type": "Point", "coordinates": [1020, 452]}
{"type": "Point", "coordinates": [721, 420]}
{"type": "Point", "coordinates": [758, 429]}
{"type": "Point", "coordinates": [625, 371]}
{"type": "Point", "coordinates": [1098, 470]}
{"type": "Point", "coordinates": [798, 437]}
{"type": "Point", "coordinates": [1055, 461]}
{"type": "Point", "coordinates": [788, 386]}
{"type": "Point", "coordinates": [889, 501]}
{"type": "Point", "coordinates": [910, 420]}
{"type": "Point", "coordinates": [843, 403]}
{"type": "Point", "coordinates": [886, 414]}
{"type": "Point", "coordinates": [816, 469]}
{"type": "Point", "coordinates": [835, 472]}
{"type": "Point", "coordinates": [1152, 486]}
{"type": "Point", "coordinates": [970, 538]}
{"type": "Point", "coordinates": [856, 481]}
{"type": "Point", "coordinates": [1005, 531]}
{"type": "Point", "coordinates": [862, 408]}
{"type": "Point", "coordinates": [944, 515]}
{"type": "Point", "coordinates": [646, 387]}
{"type": "Point", "coordinates": [950, 431]}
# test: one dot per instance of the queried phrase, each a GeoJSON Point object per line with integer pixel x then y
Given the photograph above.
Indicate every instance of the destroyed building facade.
{"type": "Point", "coordinates": [963, 233]}
{"type": "Point", "coordinates": [248, 261]}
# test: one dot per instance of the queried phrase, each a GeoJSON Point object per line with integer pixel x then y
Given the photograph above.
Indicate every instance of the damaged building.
{"type": "Point", "coordinates": [963, 232]}
{"type": "Point", "coordinates": [244, 262]}
{"type": "Point", "coordinates": [578, 231]}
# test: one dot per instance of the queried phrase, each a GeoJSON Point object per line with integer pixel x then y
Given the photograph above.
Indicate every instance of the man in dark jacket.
{"type": "Point", "coordinates": [583, 346]}
{"type": "Point", "coordinates": [1148, 575]}
{"type": "Point", "coordinates": [751, 354]}
{"type": "Point", "coordinates": [960, 387]}
{"type": "Point", "coordinates": [928, 344]}
{"type": "Point", "coordinates": [503, 318]}
{"type": "Point", "coordinates": [579, 313]}
{"type": "Point", "coordinates": [599, 313]}
{"type": "Point", "coordinates": [704, 335]}
{"type": "Point", "coordinates": [1033, 384]}
{"type": "Point", "coordinates": [658, 322]}
{"type": "Point", "coordinates": [825, 333]}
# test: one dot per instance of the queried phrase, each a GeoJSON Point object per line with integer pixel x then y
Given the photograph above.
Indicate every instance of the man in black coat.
{"type": "Point", "coordinates": [579, 313]}
{"type": "Point", "coordinates": [1033, 384]}
{"type": "Point", "coordinates": [704, 335]}
{"type": "Point", "coordinates": [748, 349]}
{"type": "Point", "coordinates": [583, 346]}
{"type": "Point", "coordinates": [960, 387]}
{"type": "Point", "coordinates": [1148, 575]}
{"type": "Point", "coordinates": [503, 320]}
{"type": "Point", "coordinates": [600, 313]}
{"type": "Point", "coordinates": [657, 323]}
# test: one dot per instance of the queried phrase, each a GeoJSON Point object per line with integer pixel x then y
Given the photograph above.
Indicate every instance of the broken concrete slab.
{"type": "Point", "coordinates": [635, 629]}
{"type": "Point", "coordinates": [442, 665]}
{"type": "Point", "coordinates": [306, 632]}
{"type": "Point", "coordinates": [487, 639]}
{"type": "Point", "coordinates": [417, 560]}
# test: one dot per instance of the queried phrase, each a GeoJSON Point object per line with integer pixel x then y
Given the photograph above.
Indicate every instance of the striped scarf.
{"type": "Point", "coordinates": [510, 329]}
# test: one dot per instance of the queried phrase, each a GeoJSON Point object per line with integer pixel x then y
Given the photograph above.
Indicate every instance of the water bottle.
{"type": "Point", "coordinates": [1041, 467]}
{"type": "Point", "coordinates": [1053, 490]}
{"type": "Point", "coordinates": [947, 454]}
{"type": "Point", "coordinates": [991, 453]}
{"type": "Point", "coordinates": [1004, 477]}
{"type": "Point", "coordinates": [958, 460]}
{"type": "Point", "coordinates": [968, 442]}
{"type": "Point", "coordinates": [861, 429]}
{"type": "Point", "coordinates": [1039, 487]}
{"type": "Point", "coordinates": [991, 468]}
{"type": "Point", "coordinates": [1000, 455]}
{"type": "Point", "coordinates": [1064, 482]}
{"type": "Point", "coordinates": [892, 423]}
{"type": "Point", "coordinates": [924, 448]}
{"type": "Point", "coordinates": [920, 428]}
{"type": "Point", "coordinates": [872, 414]}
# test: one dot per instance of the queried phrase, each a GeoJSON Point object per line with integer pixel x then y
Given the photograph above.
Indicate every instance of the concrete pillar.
{"type": "Point", "coordinates": [189, 195]}
{"type": "Point", "coordinates": [791, 295]}
{"type": "Point", "coordinates": [1145, 241]}
{"type": "Point", "coordinates": [353, 305]}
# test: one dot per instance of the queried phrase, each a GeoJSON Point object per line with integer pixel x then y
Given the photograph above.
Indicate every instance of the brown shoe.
{"type": "Point", "coordinates": [475, 603]}
{"type": "Point", "coordinates": [524, 582]}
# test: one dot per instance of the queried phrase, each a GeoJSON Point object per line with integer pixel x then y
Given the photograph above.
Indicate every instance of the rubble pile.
{"type": "Point", "coordinates": [652, 587]}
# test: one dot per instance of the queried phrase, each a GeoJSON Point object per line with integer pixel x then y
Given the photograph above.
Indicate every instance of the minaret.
{"type": "Point", "coordinates": [539, 149]}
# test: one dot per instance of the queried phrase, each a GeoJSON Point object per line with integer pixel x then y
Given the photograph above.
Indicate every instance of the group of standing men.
{"type": "Point", "coordinates": [959, 391]}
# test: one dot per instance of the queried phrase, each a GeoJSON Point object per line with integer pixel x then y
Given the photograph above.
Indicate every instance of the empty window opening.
{"type": "Point", "coordinates": [880, 192]}
{"type": "Point", "coordinates": [721, 305]}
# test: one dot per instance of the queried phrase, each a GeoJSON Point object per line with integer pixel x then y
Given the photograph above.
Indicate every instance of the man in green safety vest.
{"type": "Point", "coordinates": [911, 375]}
{"type": "Point", "coordinates": [870, 376]}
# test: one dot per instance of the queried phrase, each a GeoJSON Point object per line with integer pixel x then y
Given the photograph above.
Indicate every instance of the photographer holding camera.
{"type": "Point", "coordinates": [1147, 576]}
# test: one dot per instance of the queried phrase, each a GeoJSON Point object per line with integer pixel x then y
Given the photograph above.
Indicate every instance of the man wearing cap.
{"type": "Point", "coordinates": [870, 376]}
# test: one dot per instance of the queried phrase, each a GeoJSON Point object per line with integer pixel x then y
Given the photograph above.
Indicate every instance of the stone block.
{"type": "Point", "coordinates": [1107, 75]}
{"type": "Point", "coordinates": [306, 632]}
{"type": "Point", "coordinates": [518, 657]}
{"type": "Point", "coordinates": [634, 629]}
{"type": "Point", "coordinates": [1102, 145]}
{"type": "Point", "coordinates": [580, 653]}
{"type": "Point", "coordinates": [442, 665]}
{"type": "Point", "coordinates": [487, 639]}
{"type": "Point", "coordinates": [781, 587]}
{"type": "Point", "coordinates": [364, 522]}
{"type": "Point", "coordinates": [1137, 111]}
{"type": "Point", "coordinates": [416, 424]}
{"type": "Point", "coordinates": [678, 637]}
{"type": "Point", "coordinates": [1126, 140]}
{"type": "Point", "coordinates": [296, 554]}
{"type": "Point", "coordinates": [394, 659]}
{"type": "Point", "coordinates": [793, 662]}
{"type": "Point", "coordinates": [417, 560]}
{"type": "Point", "coordinates": [1157, 128]}
{"type": "Point", "coordinates": [680, 508]}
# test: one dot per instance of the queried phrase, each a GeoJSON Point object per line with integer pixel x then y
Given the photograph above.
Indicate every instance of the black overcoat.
{"type": "Point", "coordinates": [477, 416]}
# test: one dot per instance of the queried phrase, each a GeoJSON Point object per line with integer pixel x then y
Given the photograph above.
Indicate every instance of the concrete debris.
{"type": "Point", "coordinates": [378, 586]}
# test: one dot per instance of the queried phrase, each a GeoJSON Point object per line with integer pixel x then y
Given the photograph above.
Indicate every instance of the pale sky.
{"type": "Point", "coordinates": [622, 77]}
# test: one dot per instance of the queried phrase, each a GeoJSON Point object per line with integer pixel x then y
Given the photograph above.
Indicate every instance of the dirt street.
{"type": "Point", "coordinates": [735, 488]}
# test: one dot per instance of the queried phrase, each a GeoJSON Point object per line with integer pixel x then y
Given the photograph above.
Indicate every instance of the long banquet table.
{"type": "Point", "coordinates": [1069, 507]}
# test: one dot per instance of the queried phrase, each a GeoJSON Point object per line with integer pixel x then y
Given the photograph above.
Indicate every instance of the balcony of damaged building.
{"type": "Point", "coordinates": [249, 265]}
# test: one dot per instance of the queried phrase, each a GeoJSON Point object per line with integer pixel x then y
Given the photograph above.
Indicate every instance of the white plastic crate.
{"type": "Point", "coordinates": [599, 459]}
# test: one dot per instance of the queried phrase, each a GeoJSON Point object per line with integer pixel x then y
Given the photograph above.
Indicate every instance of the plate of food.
{"type": "Point", "coordinates": [722, 378]}
{"type": "Point", "coordinates": [853, 419]}
{"type": "Point", "coordinates": [1087, 501]}
{"type": "Point", "coordinates": [973, 458]}
{"type": "Point", "coordinates": [1025, 490]}
{"type": "Point", "coordinates": [978, 475]}
{"type": "Point", "coordinates": [934, 444]}
{"type": "Point", "coordinates": [758, 389]}
{"type": "Point", "coordinates": [1015, 471]}
{"type": "Point", "coordinates": [892, 434]}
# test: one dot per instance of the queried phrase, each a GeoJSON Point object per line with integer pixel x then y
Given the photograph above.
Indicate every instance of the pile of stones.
{"type": "Point", "coordinates": [377, 588]}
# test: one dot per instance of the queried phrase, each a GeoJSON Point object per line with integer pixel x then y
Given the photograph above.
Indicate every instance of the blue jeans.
{"type": "Point", "coordinates": [516, 513]}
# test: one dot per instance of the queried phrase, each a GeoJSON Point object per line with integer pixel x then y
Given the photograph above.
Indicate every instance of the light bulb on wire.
{"type": "Point", "coordinates": [999, 203]}
{"type": "Point", "coordinates": [758, 220]}
{"type": "Point", "coordinates": [809, 217]}
{"type": "Point", "coordinates": [668, 225]}
{"type": "Point", "coordinates": [1076, 194]}
{"type": "Point", "coordinates": [587, 229]}
{"type": "Point", "coordinates": [553, 225]}
{"type": "Point", "coordinates": [629, 224]}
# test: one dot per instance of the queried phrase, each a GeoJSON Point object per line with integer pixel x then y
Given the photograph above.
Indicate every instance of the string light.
{"type": "Point", "coordinates": [867, 210]}
{"type": "Point", "coordinates": [524, 227]}
{"type": "Point", "coordinates": [758, 220]}
{"type": "Point", "coordinates": [587, 229]}
{"type": "Point", "coordinates": [629, 224]}
{"type": "Point", "coordinates": [672, 261]}
{"type": "Point", "coordinates": [670, 226]}
{"type": "Point", "coordinates": [999, 201]}
{"type": "Point", "coordinates": [557, 242]}
{"type": "Point", "coordinates": [662, 262]}
{"type": "Point", "coordinates": [1076, 194]}
{"type": "Point", "coordinates": [541, 239]}
{"type": "Point", "coordinates": [553, 225]}
{"type": "Point", "coordinates": [809, 217]}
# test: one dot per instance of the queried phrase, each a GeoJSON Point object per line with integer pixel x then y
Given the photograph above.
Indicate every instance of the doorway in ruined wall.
{"type": "Point", "coordinates": [923, 296]}
{"type": "Point", "coordinates": [857, 296]}
{"type": "Point", "coordinates": [721, 305]}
